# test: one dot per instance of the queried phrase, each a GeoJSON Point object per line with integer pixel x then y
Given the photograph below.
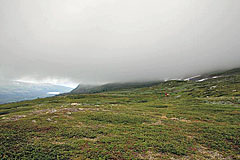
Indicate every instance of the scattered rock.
{"type": "Point", "coordinates": [174, 118]}
{"type": "Point", "coordinates": [164, 117]}
{"type": "Point", "coordinates": [58, 142]}
{"type": "Point", "coordinates": [75, 104]}
{"type": "Point", "coordinates": [190, 137]}
{"type": "Point", "coordinates": [41, 111]}
{"type": "Point", "coordinates": [157, 123]}
{"type": "Point", "coordinates": [90, 139]}
{"type": "Point", "coordinates": [68, 117]}
{"type": "Point", "coordinates": [213, 87]}
{"type": "Point", "coordinates": [34, 121]}
{"type": "Point", "coordinates": [185, 120]}
{"type": "Point", "coordinates": [49, 119]}
{"type": "Point", "coordinates": [52, 111]}
{"type": "Point", "coordinates": [70, 109]}
{"type": "Point", "coordinates": [15, 117]}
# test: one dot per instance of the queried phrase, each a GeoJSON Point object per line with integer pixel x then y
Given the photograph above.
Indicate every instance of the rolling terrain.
{"type": "Point", "coordinates": [168, 120]}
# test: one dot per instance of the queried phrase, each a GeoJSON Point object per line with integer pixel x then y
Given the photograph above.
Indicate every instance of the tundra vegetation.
{"type": "Point", "coordinates": [197, 120]}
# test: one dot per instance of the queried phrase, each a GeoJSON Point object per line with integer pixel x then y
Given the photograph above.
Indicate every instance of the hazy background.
{"type": "Point", "coordinates": [99, 41]}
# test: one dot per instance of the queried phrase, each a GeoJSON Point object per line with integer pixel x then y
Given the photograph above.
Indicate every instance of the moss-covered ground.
{"type": "Point", "coordinates": [197, 120]}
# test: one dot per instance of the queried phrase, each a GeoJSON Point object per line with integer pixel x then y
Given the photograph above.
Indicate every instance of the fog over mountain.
{"type": "Point", "coordinates": [92, 41]}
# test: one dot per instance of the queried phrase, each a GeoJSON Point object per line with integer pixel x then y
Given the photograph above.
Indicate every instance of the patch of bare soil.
{"type": "Point", "coordinates": [151, 156]}
{"type": "Point", "coordinates": [91, 139]}
{"type": "Point", "coordinates": [204, 153]}
{"type": "Point", "coordinates": [14, 118]}
{"type": "Point", "coordinates": [159, 122]}
{"type": "Point", "coordinates": [176, 119]}
{"type": "Point", "coordinates": [44, 111]}
{"type": "Point", "coordinates": [59, 143]}
{"type": "Point", "coordinates": [211, 154]}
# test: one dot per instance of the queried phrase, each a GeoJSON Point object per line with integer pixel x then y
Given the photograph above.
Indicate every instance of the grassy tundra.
{"type": "Point", "coordinates": [198, 120]}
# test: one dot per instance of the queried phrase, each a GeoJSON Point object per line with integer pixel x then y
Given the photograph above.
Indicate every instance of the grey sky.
{"type": "Point", "coordinates": [98, 41]}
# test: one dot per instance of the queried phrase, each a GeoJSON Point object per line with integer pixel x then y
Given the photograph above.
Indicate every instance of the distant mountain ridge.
{"type": "Point", "coordinates": [86, 89]}
{"type": "Point", "coordinates": [214, 74]}
{"type": "Point", "coordinates": [112, 87]}
{"type": "Point", "coordinates": [17, 91]}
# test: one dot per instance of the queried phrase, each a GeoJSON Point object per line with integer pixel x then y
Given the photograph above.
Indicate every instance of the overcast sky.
{"type": "Point", "coordinates": [100, 41]}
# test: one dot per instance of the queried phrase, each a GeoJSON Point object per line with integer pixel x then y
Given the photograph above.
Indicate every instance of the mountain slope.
{"type": "Point", "coordinates": [86, 89]}
{"type": "Point", "coordinates": [215, 74]}
{"type": "Point", "coordinates": [113, 87]}
{"type": "Point", "coordinates": [196, 120]}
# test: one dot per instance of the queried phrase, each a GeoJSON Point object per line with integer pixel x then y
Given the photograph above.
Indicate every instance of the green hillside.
{"type": "Point", "coordinates": [81, 89]}
{"type": "Point", "coordinates": [197, 120]}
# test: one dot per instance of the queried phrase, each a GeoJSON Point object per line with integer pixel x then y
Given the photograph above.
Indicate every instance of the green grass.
{"type": "Point", "coordinates": [198, 120]}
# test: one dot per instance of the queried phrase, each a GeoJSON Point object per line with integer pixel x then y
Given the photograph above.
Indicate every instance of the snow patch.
{"type": "Point", "coordinates": [187, 79]}
{"type": "Point", "coordinates": [53, 93]}
{"type": "Point", "coordinates": [204, 79]}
